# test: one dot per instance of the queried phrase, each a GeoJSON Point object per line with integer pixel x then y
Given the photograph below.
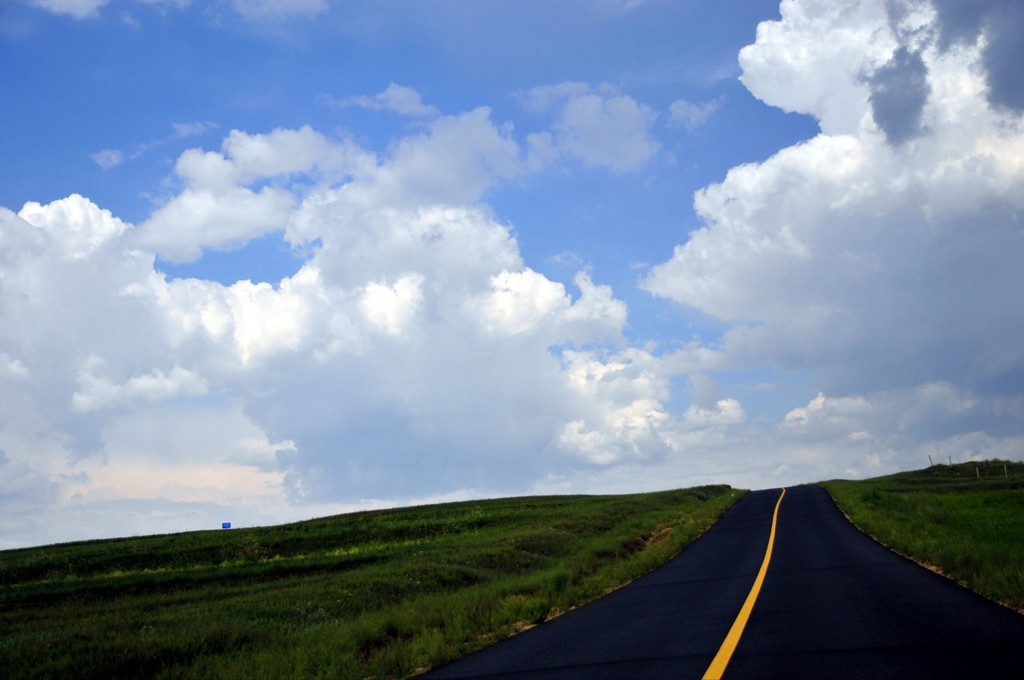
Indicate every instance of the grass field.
{"type": "Point", "coordinates": [375, 594]}
{"type": "Point", "coordinates": [967, 520]}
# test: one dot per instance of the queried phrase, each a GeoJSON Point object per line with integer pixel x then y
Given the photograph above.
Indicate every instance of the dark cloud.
{"type": "Point", "coordinates": [1004, 57]}
{"type": "Point", "coordinates": [1002, 23]}
{"type": "Point", "coordinates": [899, 91]}
{"type": "Point", "coordinates": [961, 21]}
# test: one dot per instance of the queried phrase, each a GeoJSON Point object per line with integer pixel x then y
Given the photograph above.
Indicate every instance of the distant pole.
{"type": "Point", "coordinates": [951, 460]}
{"type": "Point", "coordinates": [931, 463]}
{"type": "Point", "coordinates": [1005, 473]}
{"type": "Point", "coordinates": [977, 471]}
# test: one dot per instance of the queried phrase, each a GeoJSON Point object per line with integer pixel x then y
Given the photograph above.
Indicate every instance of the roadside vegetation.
{"type": "Point", "coordinates": [374, 594]}
{"type": "Point", "coordinates": [966, 520]}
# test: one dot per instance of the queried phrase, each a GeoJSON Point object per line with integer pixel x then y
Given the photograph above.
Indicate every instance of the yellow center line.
{"type": "Point", "coordinates": [721, 660]}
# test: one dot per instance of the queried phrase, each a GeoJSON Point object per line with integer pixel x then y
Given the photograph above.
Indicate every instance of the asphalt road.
{"type": "Point", "coordinates": [834, 604]}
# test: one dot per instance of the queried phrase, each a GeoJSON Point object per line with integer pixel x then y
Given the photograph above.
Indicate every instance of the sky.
{"type": "Point", "coordinates": [268, 260]}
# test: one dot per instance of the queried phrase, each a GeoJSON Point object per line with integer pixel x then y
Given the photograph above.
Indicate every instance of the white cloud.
{"type": "Point", "coordinates": [724, 412]}
{"type": "Point", "coordinates": [630, 431]}
{"type": "Point", "coordinates": [78, 226]}
{"type": "Point", "coordinates": [270, 9]}
{"type": "Point", "coordinates": [111, 158]}
{"type": "Point", "coordinates": [79, 9]}
{"type": "Point", "coordinates": [218, 209]}
{"type": "Point", "coordinates": [454, 162]}
{"type": "Point", "coordinates": [414, 327]}
{"type": "Point", "coordinates": [99, 392]}
{"type": "Point", "coordinates": [625, 416]}
{"type": "Point", "coordinates": [82, 9]}
{"type": "Point", "coordinates": [813, 59]}
{"type": "Point", "coordinates": [526, 302]}
{"type": "Point", "coordinates": [256, 10]}
{"type": "Point", "coordinates": [600, 127]}
{"type": "Point", "coordinates": [689, 115]}
{"type": "Point", "coordinates": [545, 97]}
{"type": "Point", "coordinates": [843, 414]}
{"type": "Point", "coordinates": [870, 266]}
{"type": "Point", "coordinates": [164, 467]}
{"type": "Point", "coordinates": [281, 152]}
{"type": "Point", "coordinates": [204, 218]}
{"type": "Point", "coordinates": [237, 325]}
{"type": "Point", "coordinates": [520, 300]}
{"type": "Point", "coordinates": [415, 354]}
{"type": "Point", "coordinates": [185, 130]}
{"type": "Point", "coordinates": [875, 258]}
{"type": "Point", "coordinates": [608, 132]}
{"type": "Point", "coordinates": [12, 368]}
{"type": "Point", "coordinates": [108, 158]}
{"type": "Point", "coordinates": [408, 331]}
{"type": "Point", "coordinates": [843, 437]}
{"type": "Point", "coordinates": [395, 98]}
{"type": "Point", "coordinates": [391, 308]}
{"type": "Point", "coordinates": [290, 152]}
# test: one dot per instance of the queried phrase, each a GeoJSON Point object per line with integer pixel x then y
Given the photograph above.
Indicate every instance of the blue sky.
{"type": "Point", "coordinates": [266, 260]}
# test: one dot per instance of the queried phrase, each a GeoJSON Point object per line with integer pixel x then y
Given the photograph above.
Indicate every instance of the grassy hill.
{"type": "Point", "coordinates": [388, 593]}
{"type": "Point", "coordinates": [370, 594]}
{"type": "Point", "coordinates": [965, 520]}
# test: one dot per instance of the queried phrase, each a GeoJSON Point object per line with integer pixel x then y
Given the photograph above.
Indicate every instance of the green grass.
{"type": "Point", "coordinates": [967, 520]}
{"type": "Point", "coordinates": [375, 594]}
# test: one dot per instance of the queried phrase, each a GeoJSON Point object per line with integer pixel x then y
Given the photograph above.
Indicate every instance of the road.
{"type": "Point", "coordinates": [833, 604]}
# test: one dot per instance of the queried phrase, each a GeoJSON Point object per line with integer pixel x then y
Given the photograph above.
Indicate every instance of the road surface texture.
{"type": "Point", "coordinates": [833, 604]}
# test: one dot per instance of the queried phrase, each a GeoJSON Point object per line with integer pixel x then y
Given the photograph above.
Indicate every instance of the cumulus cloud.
{"type": "Point", "coordinates": [201, 218]}
{"type": "Point", "coordinates": [812, 60]}
{"type": "Point", "coordinates": [98, 392]}
{"type": "Point", "coordinates": [77, 226]}
{"type": "Point", "coordinates": [597, 126]}
{"type": "Point", "coordinates": [545, 97]}
{"type": "Point", "coordinates": [454, 162]}
{"type": "Point", "coordinates": [876, 257]}
{"type": "Point", "coordinates": [626, 419]}
{"type": "Point", "coordinates": [391, 308]}
{"type": "Point", "coordinates": [412, 354]}
{"type": "Point", "coordinates": [286, 152]}
{"type": "Point", "coordinates": [868, 265]}
{"type": "Point", "coordinates": [520, 301]}
{"type": "Point", "coordinates": [998, 25]}
{"type": "Point", "coordinates": [395, 98]}
{"type": "Point", "coordinates": [826, 438]}
{"type": "Point", "coordinates": [689, 115]}
{"type": "Point", "coordinates": [724, 412]}
{"type": "Point", "coordinates": [219, 209]}
{"type": "Point", "coordinates": [415, 354]}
